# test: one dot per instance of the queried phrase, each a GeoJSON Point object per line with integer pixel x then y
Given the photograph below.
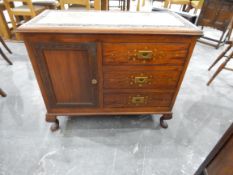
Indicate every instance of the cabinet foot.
{"type": "Point", "coordinates": [53, 118]}
{"type": "Point", "coordinates": [163, 123]}
{"type": "Point", "coordinates": [55, 126]}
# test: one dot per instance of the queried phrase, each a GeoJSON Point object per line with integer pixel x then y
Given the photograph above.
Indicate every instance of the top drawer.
{"type": "Point", "coordinates": [145, 53]}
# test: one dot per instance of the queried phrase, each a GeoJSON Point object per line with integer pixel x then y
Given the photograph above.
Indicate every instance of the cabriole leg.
{"type": "Point", "coordinates": [55, 124]}
{"type": "Point", "coordinates": [163, 123]}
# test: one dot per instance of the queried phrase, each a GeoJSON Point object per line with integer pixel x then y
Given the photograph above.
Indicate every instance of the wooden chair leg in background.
{"type": "Point", "coordinates": [2, 93]}
{"type": "Point", "coordinates": [2, 53]}
{"type": "Point", "coordinates": [4, 44]}
{"type": "Point", "coordinates": [220, 56]}
{"type": "Point", "coordinates": [221, 67]}
{"type": "Point", "coordinates": [220, 40]}
{"type": "Point", "coordinates": [5, 57]}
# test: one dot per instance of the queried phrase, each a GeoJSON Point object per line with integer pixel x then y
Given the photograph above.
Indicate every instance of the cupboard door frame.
{"type": "Point", "coordinates": [90, 47]}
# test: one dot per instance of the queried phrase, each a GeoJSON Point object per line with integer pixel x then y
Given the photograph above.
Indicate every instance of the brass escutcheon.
{"type": "Point", "coordinates": [145, 55]}
{"type": "Point", "coordinates": [138, 100]}
{"type": "Point", "coordinates": [141, 80]}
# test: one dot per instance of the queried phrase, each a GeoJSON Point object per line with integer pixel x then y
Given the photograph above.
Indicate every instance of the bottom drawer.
{"type": "Point", "coordinates": [124, 100]}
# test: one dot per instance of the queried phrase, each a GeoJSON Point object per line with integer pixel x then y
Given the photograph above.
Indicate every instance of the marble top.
{"type": "Point", "coordinates": [105, 21]}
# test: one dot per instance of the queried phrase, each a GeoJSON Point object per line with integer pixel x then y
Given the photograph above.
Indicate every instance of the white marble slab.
{"type": "Point", "coordinates": [74, 18]}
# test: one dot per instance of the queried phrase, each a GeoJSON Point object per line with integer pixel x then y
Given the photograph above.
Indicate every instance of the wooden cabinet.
{"type": "Point", "coordinates": [88, 65]}
{"type": "Point", "coordinates": [220, 159]}
{"type": "Point", "coordinates": [223, 162]}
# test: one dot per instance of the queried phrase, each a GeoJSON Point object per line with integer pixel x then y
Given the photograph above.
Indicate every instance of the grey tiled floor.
{"type": "Point", "coordinates": [112, 145]}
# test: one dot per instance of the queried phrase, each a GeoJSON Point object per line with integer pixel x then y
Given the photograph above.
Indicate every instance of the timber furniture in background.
{"type": "Point", "coordinates": [26, 10]}
{"type": "Point", "coordinates": [220, 159]}
{"type": "Point", "coordinates": [190, 17]}
{"type": "Point", "coordinates": [83, 4]}
{"type": "Point", "coordinates": [104, 4]}
{"type": "Point", "coordinates": [103, 63]}
{"type": "Point", "coordinates": [122, 4]}
{"type": "Point", "coordinates": [217, 14]}
{"type": "Point", "coordinates": [4, 28]}
{"type": "Point", "coordinates": [196, 4]}
{"type": "Point", "coordinates": [49, 4]}
{"type": "Point", "coordinates": [224, 54]}
{"type": "Point", "coordinates": [2, 93]}
{"type": "Point", "coordinates": [168, 3]}
{"type": "Point", "coordinates": [80, 4]}
{"type": "Point", "coordinates": [2, 53]}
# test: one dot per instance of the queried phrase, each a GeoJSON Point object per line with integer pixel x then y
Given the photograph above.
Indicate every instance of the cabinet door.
{"type": "Point", "coordinates": [69, 73]}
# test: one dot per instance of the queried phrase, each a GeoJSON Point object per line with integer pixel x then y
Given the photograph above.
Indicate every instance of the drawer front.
{"type": "Point", "coordinates": [145, 53]}
{"type": "Point", "coordinates": [137, 99]}
{"type": "Point", "coordinates": [145, 79]}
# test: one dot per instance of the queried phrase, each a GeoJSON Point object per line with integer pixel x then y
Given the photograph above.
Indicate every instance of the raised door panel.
{"type": "Point", "coordinates": [69, 73]}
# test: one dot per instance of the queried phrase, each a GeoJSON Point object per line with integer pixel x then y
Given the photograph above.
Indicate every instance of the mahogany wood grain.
{"type": "Point", "coordinates": [162, 53]}
{"type": "Point", "coordinates": [125, 100]}
{"type": "Point", "coordinates": [70, 89]}
{"type": "Point", "coordinates": [151, 79]}
{"type": "Point", "coordinates": [57, 62]}
{"type": "Point", "coordinates": [4, 28]}
{"type": "Point", "coordinates": [94, 73]}
{"type": "Point", "coordinates": [220, 159]}
{"type": "Point", "coordinates": [223, 162]}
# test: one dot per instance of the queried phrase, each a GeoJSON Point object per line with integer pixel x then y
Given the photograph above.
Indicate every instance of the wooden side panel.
{"type": "Point", "coordinates": [67, 71]}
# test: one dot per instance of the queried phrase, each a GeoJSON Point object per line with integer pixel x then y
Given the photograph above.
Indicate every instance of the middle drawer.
{"type": "Point", "coordinates": [151, 77]}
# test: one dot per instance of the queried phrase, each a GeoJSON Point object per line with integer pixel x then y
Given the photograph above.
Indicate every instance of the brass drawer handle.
{"type": "Point", "coordinates": [141, 80]}
{"type": "Point", "coordinates": [138, 100]}
{"type": "Point", "coordinates": [145, 55]}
